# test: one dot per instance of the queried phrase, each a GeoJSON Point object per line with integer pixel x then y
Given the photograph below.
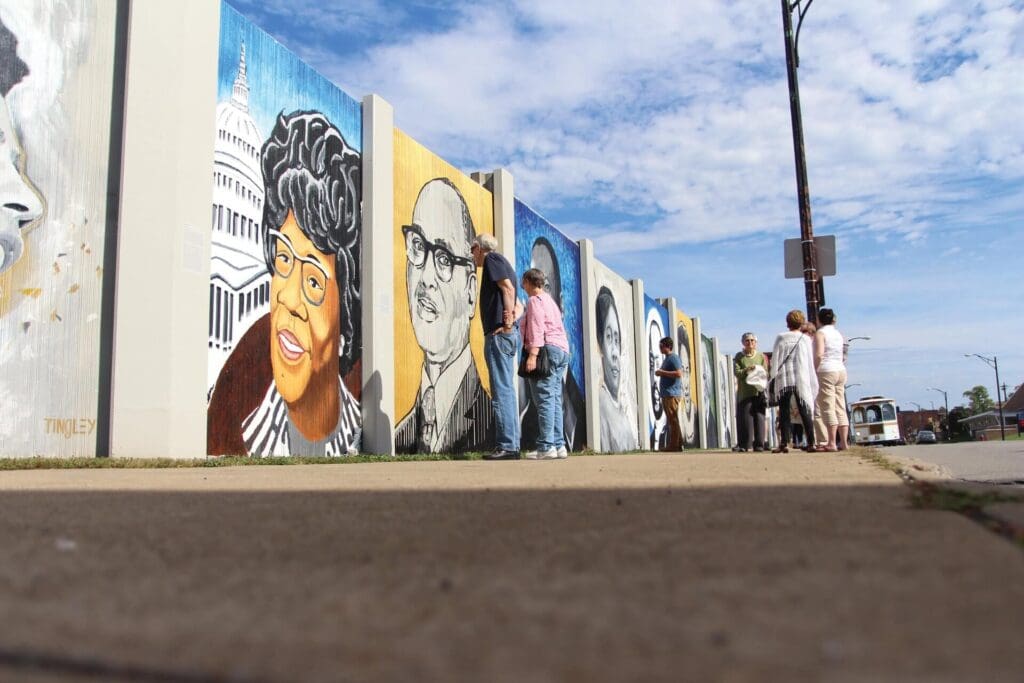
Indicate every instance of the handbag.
{"type": "Point", "coordinates": [773, 399]}
{"type": "Point", "coordinates": [758, 378]}
{"type": "Point", "coordinates": [543, 368]}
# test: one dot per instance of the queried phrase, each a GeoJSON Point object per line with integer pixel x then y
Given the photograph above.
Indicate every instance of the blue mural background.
{"type": "Point", "coordinates": [529, 227]}
{"type": "Point", "coordinates": [278, 80]}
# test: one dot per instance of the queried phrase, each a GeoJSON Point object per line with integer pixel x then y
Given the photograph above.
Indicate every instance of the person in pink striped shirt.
{"type": "Point", "coordinates": [542, 327]}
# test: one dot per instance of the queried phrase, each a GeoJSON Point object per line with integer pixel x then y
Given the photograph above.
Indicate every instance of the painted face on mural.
{"type": "Point", "coordinates": [705, 366]}
{"type": "Point", "coordinates": [611, 351]}
{"type": "Point", "coordinates": [20, 203]}
{"type": "Point", "coordinates": [439, 275]}
{"type": "Point", "coordinates": [542, 257]}
{"type": "Point", "coordinates": [682, 341]}
{"type": "Point", "coordinates": [305, 311]}
{"type": "Point", "coordinates": [657, 356]}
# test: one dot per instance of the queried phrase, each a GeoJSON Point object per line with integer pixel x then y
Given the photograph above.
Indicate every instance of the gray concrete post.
{"type": "Point", "coordinates": [378, 399]}
{"type": "Point", "coordinates": [591, 366]}
{"type": "Point", "coordinates": [159, 362]}
{"type": "Point", "coordinates": [643, 395]}
{"type": "Point", "coordinates": [695, 368]}
{"type": "Point", "coordinates": [502, 188]}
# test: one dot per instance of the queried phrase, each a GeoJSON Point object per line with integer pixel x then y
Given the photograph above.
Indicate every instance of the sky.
{"type": "Point", "coordinates": [661, 131]}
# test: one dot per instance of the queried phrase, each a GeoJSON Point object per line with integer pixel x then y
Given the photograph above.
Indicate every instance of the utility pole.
{"type": "Point", "coordinates": [993, 363]}
{"type": "Point", "coordinates": [813, 290]}
{"type": "Point", "coordinates": [945, 399]}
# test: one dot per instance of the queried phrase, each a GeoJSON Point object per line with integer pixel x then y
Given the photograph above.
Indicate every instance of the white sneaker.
{"type": "Point", "coordinates": [542, 455]}
{"type": "Point", "coordinates": [562, 452]}
{"type": "Point", "coordinates": [531, 455]}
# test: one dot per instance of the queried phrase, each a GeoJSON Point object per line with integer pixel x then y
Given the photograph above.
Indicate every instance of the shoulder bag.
{"type": "Point", "coordinates": [543, 368]}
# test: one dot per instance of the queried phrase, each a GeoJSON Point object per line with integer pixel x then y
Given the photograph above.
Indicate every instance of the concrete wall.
{"type": "Point", "coordinates": [169, 328]}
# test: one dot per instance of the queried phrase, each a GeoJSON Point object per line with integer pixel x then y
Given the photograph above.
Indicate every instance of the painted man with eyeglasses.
{"type": "Point", "coordinates": [452, 413]}
{"type": "Point", "coordinates": [310, 237]}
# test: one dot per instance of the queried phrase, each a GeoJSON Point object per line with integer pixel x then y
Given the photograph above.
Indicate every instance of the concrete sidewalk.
{"type": "Point", "coordinates": [702, 566]}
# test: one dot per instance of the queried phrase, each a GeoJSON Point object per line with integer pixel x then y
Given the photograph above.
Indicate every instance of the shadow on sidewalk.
{"type": "Point", "coordinates": [741, 583]}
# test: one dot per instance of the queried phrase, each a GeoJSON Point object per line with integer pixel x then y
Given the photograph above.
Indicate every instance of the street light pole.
{"type": "Point", "coordinates": [949, 426]}
{"type": "Point", "coordinates": [813, 290]}
{"type": "Point", "coordinates": [993, 362]}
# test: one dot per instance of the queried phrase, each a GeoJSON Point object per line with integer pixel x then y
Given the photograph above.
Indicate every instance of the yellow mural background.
{"type": "Point", "coordinates": [415, 165]}
{"type": "Point", "coordinates": [683, 319]}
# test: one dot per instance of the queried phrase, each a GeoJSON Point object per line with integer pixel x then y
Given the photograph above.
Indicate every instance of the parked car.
{"type": "Point", "coordinates": [926, 436]}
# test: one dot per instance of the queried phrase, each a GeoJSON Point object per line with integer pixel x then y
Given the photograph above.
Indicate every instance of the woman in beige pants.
{"type": "Point", "coordinates": [829, 362]}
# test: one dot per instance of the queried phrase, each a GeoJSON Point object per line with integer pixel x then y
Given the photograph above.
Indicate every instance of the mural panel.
{"type": "Point", "coordinates": [687, 353]}
{"type": "Point", "coordinates": [725, 400]}
{"type": "Point", "coordinates": [56, 80]}
{"type": "Point", "coordinates": [613, 345]}
{"type": "Point", "coordinates": [284, 330]}
{"type": "Point", "coordinates": [540, 245]}
{"type": "Point", "coordinates": [709, 404]}
{"type": "Point", "coordinates": [442, 387]}
{"type": "Point", "coordinates": [656, 317]}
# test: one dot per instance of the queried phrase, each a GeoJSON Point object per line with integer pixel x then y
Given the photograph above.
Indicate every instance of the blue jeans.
{"type": "Point", "coordinates": [501, 351]}
{"type": "Point", "coordinates": [546, 394]}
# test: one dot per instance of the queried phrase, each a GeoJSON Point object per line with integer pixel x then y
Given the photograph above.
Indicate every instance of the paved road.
{"type": "Point", "coordinates": [696, 566]}
{"type": "Point", "coordinates": [983, 461]}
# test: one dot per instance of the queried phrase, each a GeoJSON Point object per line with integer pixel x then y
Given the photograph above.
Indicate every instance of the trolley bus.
{"type": "Point", "coordinates": [875, 422]}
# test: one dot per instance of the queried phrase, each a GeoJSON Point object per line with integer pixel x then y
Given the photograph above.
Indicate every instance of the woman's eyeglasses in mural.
{"type": "Point", "coordinates": [417, 248]}
{"type": "Point", "coordinates": [314, 277]}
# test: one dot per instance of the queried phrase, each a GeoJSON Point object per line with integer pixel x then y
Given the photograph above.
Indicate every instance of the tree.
{"type": "Point", "coordinates": [958, 429]}
{"type": "Point", "coordinates": [980, 401]}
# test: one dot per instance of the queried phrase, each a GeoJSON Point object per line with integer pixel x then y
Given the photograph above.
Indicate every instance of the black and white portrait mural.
{"type": "Point", "coordinates": [56, 81]}
{"type": "Point", "coordinates": [725, 394]}
{"type": "Point", "coordinates": [687, 351]}
{"type": "Point", "coordinates": [709, 399]}
{"type": "Point", "coordinates": [442, 388]}
{"type": "Point", "coordinates": [613, 339]}
{"type": "Point", "coordinates": [656, 324]}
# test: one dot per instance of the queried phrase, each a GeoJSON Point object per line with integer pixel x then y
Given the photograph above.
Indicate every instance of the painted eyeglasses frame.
{"type": "Point", "coordinates": [314, 299]}
{"type": "Point", "coordinates": [444, 271]}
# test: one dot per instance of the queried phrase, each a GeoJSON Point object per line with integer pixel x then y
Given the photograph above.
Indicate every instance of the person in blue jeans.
{"type": "Point", "coordinates": [501, 342]}
{"type": "Point", "coordinates": [543, 328]}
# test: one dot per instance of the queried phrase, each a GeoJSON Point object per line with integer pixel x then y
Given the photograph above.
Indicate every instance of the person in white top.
{"type": "Point", "coordinates": [829, 362]}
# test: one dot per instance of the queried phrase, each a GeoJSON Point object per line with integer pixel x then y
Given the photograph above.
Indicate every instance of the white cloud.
{"type": "Point", "coordinates": [673, 119]}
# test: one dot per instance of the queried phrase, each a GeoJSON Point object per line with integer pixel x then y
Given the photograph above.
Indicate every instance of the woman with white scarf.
{"type": "Point", "coordinates": [794, 379]}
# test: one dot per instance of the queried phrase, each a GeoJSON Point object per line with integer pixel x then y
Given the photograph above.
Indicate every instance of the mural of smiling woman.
{"type": "Point", "coordinates": [310, 227]}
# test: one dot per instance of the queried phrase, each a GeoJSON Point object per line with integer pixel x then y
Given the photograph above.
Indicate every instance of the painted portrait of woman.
{"type": "Point", "coordinates": [618, 432]}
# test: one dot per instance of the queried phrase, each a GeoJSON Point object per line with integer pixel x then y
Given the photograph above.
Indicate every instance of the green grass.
{"type": "Point", "coordinates": [39, 463]}
{"type": "Point", "coordinates": [172, 463]}
{"type": "Point", "coordinates": [936, 497]}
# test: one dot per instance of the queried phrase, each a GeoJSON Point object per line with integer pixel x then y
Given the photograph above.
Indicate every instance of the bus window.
{"type": "Point", "coordinates": [888, 411]}
{"type": "Point", "coordinates": [858, 416]}
{"type": "Point", "coordinates": [874, 414]}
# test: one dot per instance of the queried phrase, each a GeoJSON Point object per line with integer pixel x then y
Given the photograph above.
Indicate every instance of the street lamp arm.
{"type": "Point", "coordinates": [991, 361]}
{"type": "Point", "coordinates": [801, 12]}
